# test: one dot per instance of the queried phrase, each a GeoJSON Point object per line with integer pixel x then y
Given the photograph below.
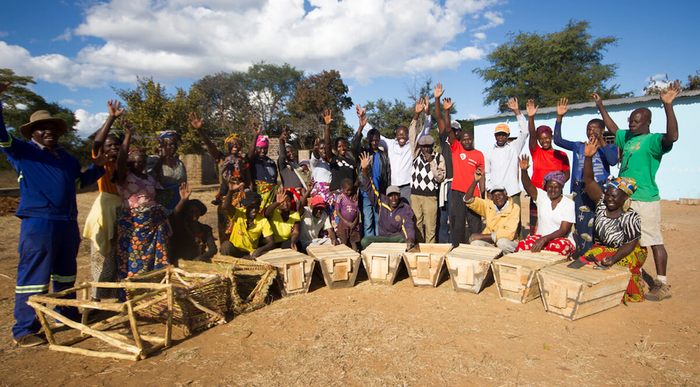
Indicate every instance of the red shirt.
{"type": "Point", "coordinates": [545, 161]}
{"type": "Point", "coordinates": [464, 164]}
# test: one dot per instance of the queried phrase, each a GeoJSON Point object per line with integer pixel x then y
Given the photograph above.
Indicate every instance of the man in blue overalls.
{"type": "Point", "coordinates": [49, 235]}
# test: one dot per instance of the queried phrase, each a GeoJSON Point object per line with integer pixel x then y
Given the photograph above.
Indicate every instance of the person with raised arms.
{"type": "Point", "coordinates": [642, 152]}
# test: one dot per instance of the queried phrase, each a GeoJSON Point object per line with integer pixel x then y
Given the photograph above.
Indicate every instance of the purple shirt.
{"type": "Point", "coordinates": [396, 222]}
{"type": "Point", "coordinates": [346, 207]}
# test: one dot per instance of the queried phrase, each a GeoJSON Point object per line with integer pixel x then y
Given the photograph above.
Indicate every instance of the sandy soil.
{"type": "Point", "coordinates": [400, 335]}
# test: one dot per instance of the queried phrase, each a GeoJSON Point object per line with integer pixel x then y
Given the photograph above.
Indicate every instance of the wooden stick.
{"type": "Point", "coordinates": [134, 326]}
{"type": "Point", "coordinates": [140, 297]}
{"type": "Point", "coordinates": [79, 303]}
{"type": "Point", "coordinates": [47, 329]}
{"type": "Point", "coordinates": [128, 285]}
{"type": "Point", "coordinates": [82, 328]}
{"type": "Point", "coordinates": [68, 291]}
{"type": "Point", "coordinates": [205, 309]}
{"type": "Point", "coordinates": [169, 321]}
{"type": "Point", "coordinates": [88, 352]}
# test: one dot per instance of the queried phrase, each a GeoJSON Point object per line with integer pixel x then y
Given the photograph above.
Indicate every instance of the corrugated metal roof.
{"type": "Point", "coordinates": [589, 105]}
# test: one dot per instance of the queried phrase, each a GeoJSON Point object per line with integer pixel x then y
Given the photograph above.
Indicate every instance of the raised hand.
{"type": "Point", "coordinates": [426, 105]}
{"type": "Point", "coordinates": [524, 162]}
{"type": "Point", "coordinates": [419, 105]}
{"type": "Point", "coordinates": [115, 108]}
{"type": "Point", "coordinates": [447, 104]}
{"type": "Point", "coordinates": [671, 92]}
{"type": "Point", "coordinates": [531, 108]}
{"type": "Point", "coordinates": [596, 98]}
{"type": "Point", "coordinates": [438, 90]}
{"type": "Point", "coordinates": [361, 115]}
{"type": "Point", "coordinates": [256, 126]}
{"type": "Point", "coordinates": [562, 106]}
{"type": "Point", "coordinates": [478, 174]}
{"type": "Point", "coordinates": [185, 191]}
{"type": "Point", "coordinates": [513, 105]}
{"type": "Point", "coordinates": [280, 195]}
{"type": "Point", "coordinates": [128, 128]}
{"type": "Point", "coordinates": [327, 116]}
{"type": "Point", "coordinates": [365, 160]}
{"type": "Point", "coordinates": [591, 147]}
{"type": "Point", "coordinates": [4, 86]}
{"type": "Point", "coordinates": [195, 120]}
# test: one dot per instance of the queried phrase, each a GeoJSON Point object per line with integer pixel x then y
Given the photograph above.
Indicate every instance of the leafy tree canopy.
{"type": "Point", "coordinates": [550, 66]}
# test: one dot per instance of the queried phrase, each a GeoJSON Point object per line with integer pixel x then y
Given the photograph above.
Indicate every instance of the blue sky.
{"type": "Point", "coordinates": [78, 51]}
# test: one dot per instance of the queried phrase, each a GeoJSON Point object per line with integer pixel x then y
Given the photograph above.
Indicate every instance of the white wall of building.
{"type": "Point", "coordinates": [679, 174]}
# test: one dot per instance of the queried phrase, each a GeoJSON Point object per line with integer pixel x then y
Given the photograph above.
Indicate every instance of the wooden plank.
{"type": "Point", "coordinates": [465, 274]}
{"type": "Point", "coordinates": [88, 352]}
{"type": "Point", "coordinates": [379, 266]}
{"type": "Point", "coordinates": [294, 276]}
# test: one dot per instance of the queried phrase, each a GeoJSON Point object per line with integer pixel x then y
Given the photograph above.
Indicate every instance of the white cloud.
{"type": "Point", "coordinates": [494, 19]}
{"type": "Point", "coordinates": [88, 123]}
{"type": "Point", "coordinates": [65, 36]}
{"type": "Point", "coordinates": [479, 35]}
{"type": "Point", "coordinates": [190, 38]}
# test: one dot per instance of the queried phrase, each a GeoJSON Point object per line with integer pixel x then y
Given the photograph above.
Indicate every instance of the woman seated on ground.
{"type": "Point", "coordinates": [616, 231]}
{"type": "Point", "coordinates": [247, 227]}
{"type": "Point", "coordinates": [284, 220]}
{"type": "Point", "coordinates": [555, 213]}
{"type": "Point", "coordinates": [191, 239]}
{"type": "Point", "coordinates": [143, 229]}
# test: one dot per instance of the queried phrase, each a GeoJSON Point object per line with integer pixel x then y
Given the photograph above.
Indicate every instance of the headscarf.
{"type": "Point", "coordinates": [625, 184]}
{"type": "Point", "coordinates": [233, 137]}
{"type": "Point", "coordinates": [162, 135]}
{"type": "Point", "coordinates": [555, 176]}
{"type": "Point", "coordinates": [543, 129]}
{"type": "Point", "coordinates": [262, 141]}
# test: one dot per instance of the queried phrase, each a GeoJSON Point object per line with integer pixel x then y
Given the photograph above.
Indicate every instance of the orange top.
{"type": "Point", "coordinates": [105, 183]}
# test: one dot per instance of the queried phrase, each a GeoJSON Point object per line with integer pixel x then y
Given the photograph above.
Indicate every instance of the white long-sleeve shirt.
{"type": "Point", "coordinates": [502, 162]}
{"type": "Point", "coordinates": [401, 157]}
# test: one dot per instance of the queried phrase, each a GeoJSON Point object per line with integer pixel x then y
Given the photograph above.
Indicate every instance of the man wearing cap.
{"type": "Point", "coordinates": [49, 235]}
{"type": "Point", "coordinates": [501, 214]}
{"type": "Point", "coordinates": [545, 159]}
{"type": "Point", "coordinates": [428, 172]}
{"type": "Point", "coordinates": [315, 221]}
{"type": "Point", "coordinates": [502, 162]}
{"type": "Point", "coordinates": [395, 215]}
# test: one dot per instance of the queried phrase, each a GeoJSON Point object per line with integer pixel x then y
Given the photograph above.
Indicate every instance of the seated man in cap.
{"type": "Point", "coordinates": [502, 162]}
{"type": "Point", "coordinates": [395, 215]}
{"type": "Point", "coordinates": [428, 172]}
{"type": "Point", "coordinates": [247, 226]}
{"type": "Point", "coordinates": [545, 159]}
{"type": "Point", "coordinates": [502, 216]}
{"type": "Point", "coordinates": [49, 235]}
{"type": "Point", "coordinates": [315, 225]}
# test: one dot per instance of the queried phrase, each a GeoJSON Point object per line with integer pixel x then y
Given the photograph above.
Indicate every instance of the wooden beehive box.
{"type": "Point", "coordinates": [576, 293]}
{"type": "Point", "coordinates": [516, 274]}
{"type": "Point", "coordinates": [425, 262]}
{"type": "Point", "coordinates": [294, 270]}
{"type": "Point", "coordinates": [382, 261]}
{"type": "Point", "coordinates": [339, 264]}
{"type": "Point", "coordinates": [470, 266]}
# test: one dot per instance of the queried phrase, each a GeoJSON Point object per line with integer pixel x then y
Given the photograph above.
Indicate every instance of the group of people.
{"type": "Point", "coordinates": [405, 189]}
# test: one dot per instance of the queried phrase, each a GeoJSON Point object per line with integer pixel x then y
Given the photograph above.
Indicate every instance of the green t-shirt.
{"type": "Point", "coordinates": [641, 157]}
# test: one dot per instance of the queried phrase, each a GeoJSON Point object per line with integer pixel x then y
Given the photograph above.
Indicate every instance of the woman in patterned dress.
{"type": "Point", "coordinates": [616, 230]}
{"type": "Point", "coordinates": [142, 229]}
{"type": "Point", "coordinates": [167, 168]}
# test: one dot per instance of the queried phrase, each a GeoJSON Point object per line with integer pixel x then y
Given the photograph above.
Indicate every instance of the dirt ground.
{"type": "Point", "coordinates": [399, 335]}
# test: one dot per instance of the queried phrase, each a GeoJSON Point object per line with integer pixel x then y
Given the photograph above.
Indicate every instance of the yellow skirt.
{"type": "Point", "coordinates": [101, 222]}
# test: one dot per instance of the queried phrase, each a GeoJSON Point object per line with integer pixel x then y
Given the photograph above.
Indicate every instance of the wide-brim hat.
{"type": "Point", "coordinates": [40, 117]}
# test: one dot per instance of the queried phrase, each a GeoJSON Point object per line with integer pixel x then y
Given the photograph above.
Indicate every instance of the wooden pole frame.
{"type": "Point", "coordinates": [137, 347]}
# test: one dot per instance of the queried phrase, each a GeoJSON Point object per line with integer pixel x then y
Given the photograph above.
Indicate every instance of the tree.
{"type": "Point", "coordinates": [314, 93]}
{"type": "Point", "coordinates": [270, 87]}
{"type": "Point", "coordinates": [19, 102]}
{"type": "Point", "coordinates": [547, 67]}
{"type": "Point", "coordinates": [693, 82]}
{"type": "Point", "coordinates": [150, 109]}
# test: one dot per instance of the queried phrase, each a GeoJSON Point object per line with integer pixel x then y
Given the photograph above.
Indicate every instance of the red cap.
{"type": "Point", "coordinates": [317, 201]}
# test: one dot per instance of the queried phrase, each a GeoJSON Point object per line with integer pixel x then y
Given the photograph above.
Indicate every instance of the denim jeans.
{"type": "Point", "coordinates": [369, 217]}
